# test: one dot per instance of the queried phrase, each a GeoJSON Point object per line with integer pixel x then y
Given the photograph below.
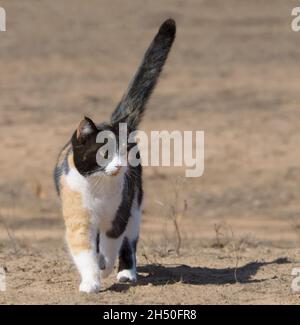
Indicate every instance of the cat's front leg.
{"type": "Point", "coordinates": [109, 250]}
{"type": "Point", "coordinates": [82, 244]}
{"type": "Point", "coordinates": [89, 270]}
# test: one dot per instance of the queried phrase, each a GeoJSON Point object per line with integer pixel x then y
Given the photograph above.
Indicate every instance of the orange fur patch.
{"type": "Point", "coordinates": [77, 219]}
{"type": "Point", "coordinates": [71, 161]}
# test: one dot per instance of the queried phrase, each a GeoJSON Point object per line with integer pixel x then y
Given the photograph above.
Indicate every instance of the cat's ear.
{"type": "Point", "coordinates": [85, 128]}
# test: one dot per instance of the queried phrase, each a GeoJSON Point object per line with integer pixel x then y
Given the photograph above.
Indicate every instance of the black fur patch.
{"type": "Point", "coordinates": [132, 106]}
{"type": "Point", "coordinates": [134, 244]}
{"type": "Point", "coordinates": [102, 262]}
{"type": "Point", "coordinates": [85, 148]}
{"type": "Point", "coordinates": [98, 242]}
{"type": "Point", "coordinates": [126, 261]}
{"type": "Point", "coordinates": [123, 213]}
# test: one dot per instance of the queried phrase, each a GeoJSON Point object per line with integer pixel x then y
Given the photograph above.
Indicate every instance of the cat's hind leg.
{"type": "Point", "coordinates": [109, 249]}
{"type": "Point", "coordinates": [127, 254]}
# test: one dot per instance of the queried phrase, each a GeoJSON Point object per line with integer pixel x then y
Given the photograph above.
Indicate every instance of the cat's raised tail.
{"type": "Point", "coordinates": [132, 106]}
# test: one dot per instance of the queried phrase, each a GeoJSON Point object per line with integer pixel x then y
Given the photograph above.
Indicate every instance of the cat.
{"type": "Point", "coordinates": [101, 204]}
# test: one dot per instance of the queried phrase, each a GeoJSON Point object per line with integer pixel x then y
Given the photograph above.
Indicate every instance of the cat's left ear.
{"type": "Point", "coordinates": [85, 128]}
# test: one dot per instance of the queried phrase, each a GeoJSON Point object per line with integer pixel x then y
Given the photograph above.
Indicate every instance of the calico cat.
{"type": "Point", "coordinates": [101, 204]}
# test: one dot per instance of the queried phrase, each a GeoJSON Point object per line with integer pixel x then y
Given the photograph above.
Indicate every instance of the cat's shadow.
{"type": "Point", "coordinates": [158, 274]}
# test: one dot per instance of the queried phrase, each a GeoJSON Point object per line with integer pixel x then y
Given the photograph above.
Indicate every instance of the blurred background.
{"type": "Point", "coordinates": [230, 236]}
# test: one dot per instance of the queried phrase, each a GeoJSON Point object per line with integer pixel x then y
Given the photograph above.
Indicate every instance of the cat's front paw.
{"type": "Point", "coordinates": [126, 276]}
{"type": "Point", "coordinates": [89, 286]}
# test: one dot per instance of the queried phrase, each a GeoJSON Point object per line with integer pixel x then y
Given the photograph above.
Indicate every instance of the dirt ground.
{"type": "Point", "coordinates": [232, 73]}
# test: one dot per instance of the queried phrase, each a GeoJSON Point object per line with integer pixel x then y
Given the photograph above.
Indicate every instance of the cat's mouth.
{"type": "Point", "coordinates": [116, 172]}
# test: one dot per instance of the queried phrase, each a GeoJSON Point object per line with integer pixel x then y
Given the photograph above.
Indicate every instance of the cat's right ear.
{"type": "Point", "coordinates": [85, 128]}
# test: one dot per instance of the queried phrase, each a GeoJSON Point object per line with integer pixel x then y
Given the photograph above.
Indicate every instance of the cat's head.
{"type": "Point", "coordinates": [96, 149]}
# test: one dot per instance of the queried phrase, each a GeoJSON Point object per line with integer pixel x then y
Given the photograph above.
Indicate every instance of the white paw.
{"type": "Point", "coordinates": [90, 286]}
{"type": "Point", "coordinates": [126, 276]}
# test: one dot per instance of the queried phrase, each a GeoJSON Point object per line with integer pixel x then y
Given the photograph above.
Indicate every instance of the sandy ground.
{"type": "Point", "coordinates": [232, 73]}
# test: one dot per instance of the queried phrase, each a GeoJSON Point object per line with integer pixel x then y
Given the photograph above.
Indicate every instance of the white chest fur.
{"type": "Point", "coordinates": [101, 195]}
